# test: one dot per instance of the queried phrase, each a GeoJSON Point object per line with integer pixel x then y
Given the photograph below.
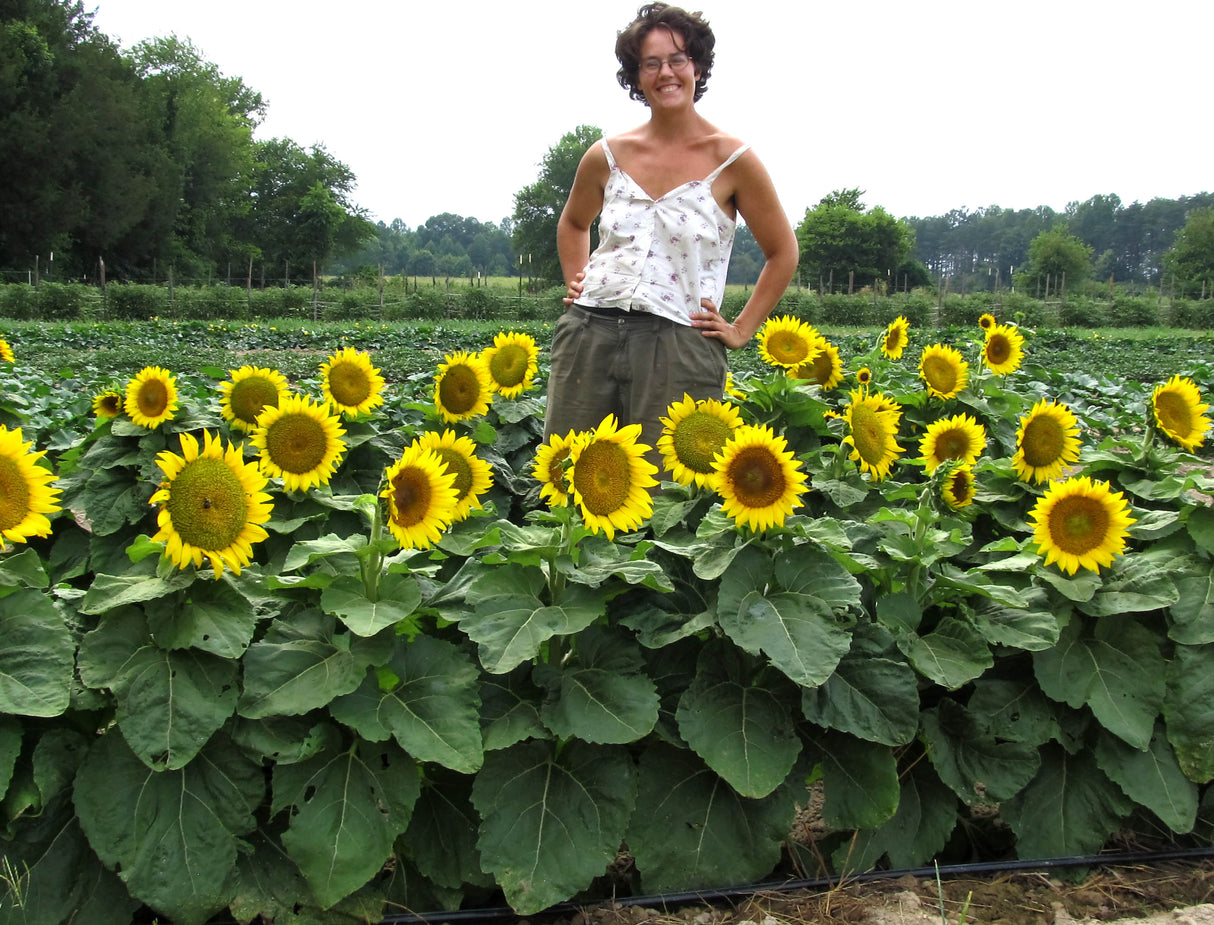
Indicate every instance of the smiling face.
{"type": "Point", "coordinates": [667, 86]}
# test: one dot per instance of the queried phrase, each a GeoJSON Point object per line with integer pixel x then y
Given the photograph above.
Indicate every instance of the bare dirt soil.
{"type": "Point", "coordinates": [1172, 893]}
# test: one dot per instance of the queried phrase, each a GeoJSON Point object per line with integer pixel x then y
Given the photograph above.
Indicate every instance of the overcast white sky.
{"type": "Point", "coordinates": [928, 106]}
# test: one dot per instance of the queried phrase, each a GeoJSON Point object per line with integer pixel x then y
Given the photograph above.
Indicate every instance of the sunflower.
{"type": "Point", "coordinates": [957, 489]}
{"type": "Point", "coordinates": [1179, 412]}
{"type": "Point", "coordinates": [472, 474]}
{"type": "Point", "coordinates": [693, 434]}
{"type": "Point", "coordinates": [107, 404]}
{"type": "Point", "coordinates": [986, 321]}
{"type": "Point", "coordinates": [1047, 442]}
{"type": "Point", "coordinates": [1004, 349]}
{"type": "Point", "coordinates": [512, 363]}
{"type": "Point", "coordinates": [872, 422]}
{"type": "Point", "coordinates": [421, 496]}
{"type": "Point", "coordinates": [549, 468]}
{"type": "Point", "coordinates": [959, 437]}
{"type": "Point", "coordinates": [610, 476]}
{"type": "Point", "coordinates": [758, 478]}
{"type": "Point", "coordinates": [212, 505]}
{"type": "Point", "coordinates": [826, 369]}
{"type": "Point", "coordinates": [943, 370]}
{"type": "Point", "coordinates": [351, 383]}
{"type": "Point", "coordinates": [151, 397]}
{"type": "Point", "coordinates": [26, 496]}
{"type": "Point", "coordinates": [731, 388]}
{"type": "Point", "coordinates": [787, 342]}
{"type": "Point", "coordinates": [865, 376]}
{"type": "Point", "coordinates": [299, 441]}
{"type": "Point", "coordinates": [896, 338]}
{"type": "Point", "coordinates": [463, 387]}
{"type": "Point", "coordinates": [247, 392]}
{"type": "Point", "coordinates": [1080, 524]}
{"type": "Point", "coordinates": [6, 352]}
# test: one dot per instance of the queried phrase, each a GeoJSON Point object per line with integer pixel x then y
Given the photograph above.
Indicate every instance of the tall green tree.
{"type": "Point", "coordinates": [838, 238]}
{"type": "Point", "coordinates": [1056, 258]}
{"type": "Point", "coordinates": [1191, 258]}
{"type": "Point", "coordinates": [537, 207]}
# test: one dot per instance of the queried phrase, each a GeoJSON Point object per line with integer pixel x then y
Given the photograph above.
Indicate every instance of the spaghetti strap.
{"type": "Point", "coordinates": [729, 160]}
{"type": "Point", "coordinates": [610, 157]}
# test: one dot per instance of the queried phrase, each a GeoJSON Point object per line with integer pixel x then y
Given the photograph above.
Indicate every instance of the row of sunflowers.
{"type": "Point", "coordinates": [397, 650]}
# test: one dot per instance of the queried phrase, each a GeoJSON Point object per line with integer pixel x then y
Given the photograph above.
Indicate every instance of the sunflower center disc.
{"type": "Point", "coordinates": [509, 365]}
{"type": "Point", "coordinates": [757, 477]}
{"type": "Point", "coordinates": [457, 466]}
{"type": "Point", "coordinates": [998, 349]}
{"type": "Point", "coordinates": [1173, 413]}
{"type": "Point", "coordinates": [868, 434]}
{"type": "Point", "coordinates": [697, 439]}
{"type": "Point", "coordinates": [952, 444]}
{"type": "Point", "coordinates": [941, 374]}
{"type": "Point", "coordinates": [459, 390]}
{"type": "Point", "coordinates": [153, 398]}
{"type": "Point", "coordinates": [14, 494]}
{"type": "Point", "coordinates": [1078, 524]}
{"type": "Point", "coordinates": [349, 385]}
{"type": "Point", "coordinates": [603, 478]}
{"type": "Point", "coordinates": [1042, 442]}
{"type": "Point", "coordinates": [789, 347]}
{"type": "Point", "coordinates": [249, 396]}
{"type": "Point", "coordinates": [207, 504]}
{"type": "Point", "coordinates": [296, 443]}
{"type": "Point", "coordinates": [410, 497]}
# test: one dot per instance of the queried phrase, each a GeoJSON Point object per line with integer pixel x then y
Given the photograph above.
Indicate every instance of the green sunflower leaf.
{"type": "Point", "coordinates": [950, 655]}
{"type": "Point", "coordinates": [434, 710]}
{"type": "Point", "coordinates": [348, 810]}
{"type": "Point", "coordinates": [1188, 710]}
{"type": "Point", "coordinates": [1152, 778]}
{"type": "Point", "coordinates": [510, 711]}
{"type": "Point", "coordinates": [1134, 585]}
{"type": "Point", "coordinates": [510, 622]}
{"type": "Point", "coordinates": [443, 831]}
{"type": "Point", "coordinates": [1117, 672]}
{"type": "Point", "coordinates": [296, 676]}
{"type": "Point", "coordinates": [692, 830]}
{"type": "Point", "coordinates": [23, 569]}
{"type": "Point", "coordinates": [175, 833]}
{"type": "Point", "coordinates": [1069, 809]}
{"type": "Point", "coordinates": [914, 834]}
{"type": "Point", "coordinates": [36, 658]}
{"type": "Point", "coordinates": [1201, 528]}
{"type": "Point", "coordinates": [876, 699]}
{"type": "Point", "coordinates": [553, 819]}
{"type": "Point", "coordinates": [1193, 612]}
{"type": "Point", "coordinates": [976, 763]}
{"type": "Point", "coordinates": [346, 598]}
{"type": "Point", "coordinates": [215, 618]}
{"type": "Point", "coordinates": [134, 587]}
{"type": "Point", "coordinates": [859, 781]}
{"type": "Point", "coordinates": [744, 733]}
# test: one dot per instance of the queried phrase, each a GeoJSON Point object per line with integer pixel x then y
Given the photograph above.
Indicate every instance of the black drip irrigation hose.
{"type": "Point", "coordinates": [950, 871]}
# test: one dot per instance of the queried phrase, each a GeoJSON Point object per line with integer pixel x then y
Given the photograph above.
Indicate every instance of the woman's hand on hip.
{"type": "Point", "coordinates": [713, 324]}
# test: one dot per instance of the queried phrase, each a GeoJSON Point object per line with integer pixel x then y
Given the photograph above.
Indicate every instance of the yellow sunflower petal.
{"type": "Point", "coordinates": [610, 477]}
{"type": "Point", "coordinates": [872, 424]}
{"type": "Point", "coordinates": [897, 336]}
{"type": "Point", "coordinates": [421, 497]}
{"type": "Point", "coordinates": [692, 435]}
{"type": "Point", "coordinates": [1080, 523]}
{"type": "Point", "coordinates": [26, 495]}
{"type": "Point", "coordinates": [1004, 349]}
{"type": "Point", "coordinates": [1179, 412]}
{"type": "Point", "coordinates": [1047, 442]}
{"type": "Point", "coordinates": [151, 397]}
{"type": "Point", "coordinates": [473, 477]}
{"type": "Point", "coordinates": [299, 441]}
{"type": "Point", "coordinates": [107, 404]}
{"type": "Point", "coordinates": [788, 342]}
{"type": "Point", "coordinates": [351, 383]}
{"type": "Point", "coordinates": [758, 478]}
{"type": "Point", "coordinates": [959, 437]}
{"type": "Point", "coordinates": [550, 468]}
{"type": "Point", "coordinates": [249, 390]}
{"type": "Point", "coordinates": [943, 370]}
{"type": "Point", "coordinates": [211, 505]}
{"type": "Point", "coordinates": [512, 363]}
{"type": "Point", "coordinates": [463, 387]}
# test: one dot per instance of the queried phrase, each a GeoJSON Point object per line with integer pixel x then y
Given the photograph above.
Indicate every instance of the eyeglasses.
{"type": "Point", "coordinates": [677, 62]}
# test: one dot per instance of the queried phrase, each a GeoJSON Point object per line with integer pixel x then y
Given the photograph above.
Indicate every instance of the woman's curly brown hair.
{"type": "Point", "coordinates": [692, 28]}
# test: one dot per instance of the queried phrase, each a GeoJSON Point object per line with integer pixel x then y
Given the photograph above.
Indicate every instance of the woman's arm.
{"type": "Point", "coordinates": [584, 204]}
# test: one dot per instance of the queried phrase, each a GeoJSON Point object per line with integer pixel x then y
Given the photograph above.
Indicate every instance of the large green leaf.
{"type": "Point", "coordinates": [108, 592]}
{"type": "Point", "coordinates": [917, 831]}
{"type": "Point", "coordinates": [346, 598]}
{"type": "Point", "coordinates": [976, 763]}
{"type": "Point", "coordinates": [798, 622]}
{"type": "Point", "coordinates": [169, 702]}
{"type": "Point", "coordinates": [37, 656]}
{"type": "Point", "coordinates": [1069, 809]}
{"type": "Point", "coordinates": [553, 818]}
{"type": "Point", "coordinates": [1030, 628]}
{"type": "Point", "coordinates": [1193, 612]}
{"type": "Point", "coordinates": [174, 833]}
{"type": "Point", "coordinates": [215, 618]}
{"type": "Point", "coordinates": [1152, 778]}
{"type": "Point", "coordinates": [285, 739]}
{"type": "Point", "coordinates": [1134, 585]}
{"type": "Point", "coordinates": [950, 655]}
{"type": "Point", "coordinates": [432, 709]}
{"type": "Point", "coordinates": [442, 833]}
{"type": "Point", "coordinates": [603, 695]}
{"type": "Point", "coordinates": [296, 676]}
{"type": "Point", "coordinates": [1189, 710]}
{"type": "Point", "coordinates": [859, 782]}
{"type": "Point", "coordinates": [599, 559]}
{"type": "Point", "coordinates": [872, 698]}
{"type": "Point", "coordinates": [743, 732]}
{"type": "Point", "coordinates": [23, 569]}
{"type": "Point", "coordinates": [1016, 711]}
{"type": "Point", "coordinates": [348, 809]}
{"type": "Point", "coordinates": [510, 621]}
{"type": "Point", "coordinates": [1117, 671]}
{"type": "Point", "coordinates": [691, 830]}
{"type": "Point", "coordinates": [510, 710]}
{"type": "Point", "coordinates": [10, 749]}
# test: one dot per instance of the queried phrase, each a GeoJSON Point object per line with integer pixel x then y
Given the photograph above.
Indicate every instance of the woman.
{"type": "Point", "coordinates": [643, 325]}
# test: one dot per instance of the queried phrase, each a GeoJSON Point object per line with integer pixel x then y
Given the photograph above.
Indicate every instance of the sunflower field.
{"type": "Point", "coordinates": [322, 647]}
